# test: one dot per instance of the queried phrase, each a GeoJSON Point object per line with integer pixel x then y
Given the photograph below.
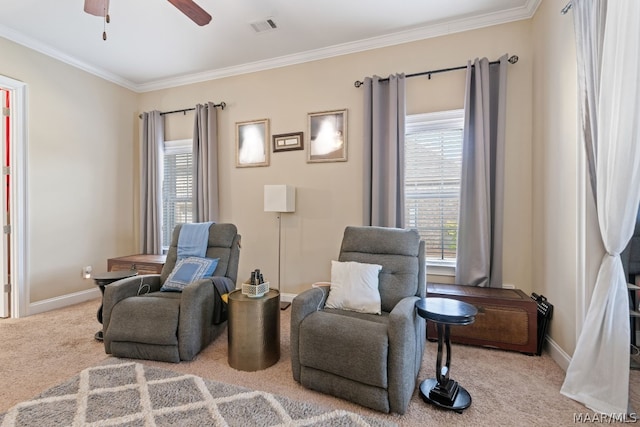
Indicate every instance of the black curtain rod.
{"type": "Point", "coordinates": [512, 60]}
{"type": "Point", "coordinates": [184, 110]}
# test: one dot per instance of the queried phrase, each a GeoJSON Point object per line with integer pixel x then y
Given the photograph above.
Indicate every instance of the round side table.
{"type": "Point", "coordinates": [443, 391]}
{"type": "Point", "coordinates": [253, 330]}
{"type": "Point", "coordinates": [104, 279]}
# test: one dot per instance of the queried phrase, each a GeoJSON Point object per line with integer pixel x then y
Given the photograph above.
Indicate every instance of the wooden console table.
{"type": "Point", "coordinates": [144, 264]}
{"type": "Point", "coordinates": [507, 318]}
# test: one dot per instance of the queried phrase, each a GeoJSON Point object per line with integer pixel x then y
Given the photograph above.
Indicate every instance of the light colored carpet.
{"type": "Point", "coordinates": [124, 393]}
{"type": "Point", "coordinates": [507, 388]}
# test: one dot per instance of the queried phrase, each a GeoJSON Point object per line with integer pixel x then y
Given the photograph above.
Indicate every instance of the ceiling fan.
{"type": "Point", "coordinates": [188, 7]}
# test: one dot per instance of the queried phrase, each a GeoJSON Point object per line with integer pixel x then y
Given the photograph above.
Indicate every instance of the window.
{"type": "Point", "coordinates": [177, 187]}
{"type": "Point", "coordinates": [433, 159]}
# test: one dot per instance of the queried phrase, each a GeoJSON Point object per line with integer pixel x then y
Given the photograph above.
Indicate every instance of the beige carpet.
{"type": "Point", "coordinates": [507, 388]}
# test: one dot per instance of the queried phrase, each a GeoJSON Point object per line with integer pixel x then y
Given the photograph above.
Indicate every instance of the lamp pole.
{"type": "Point", "coordinates": [279, 245]}
{"type": "Point", "coordinates": [283, 304]}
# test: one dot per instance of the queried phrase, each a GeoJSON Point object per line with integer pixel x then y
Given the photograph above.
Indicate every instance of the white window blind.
{"type": "Point", "coordinates": [177, 187]}
{"type": "Point", "coordinates": [433, 158]}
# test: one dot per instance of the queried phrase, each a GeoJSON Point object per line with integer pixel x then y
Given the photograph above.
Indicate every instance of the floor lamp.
{"type": "Point", "coordinates": [280, 198]}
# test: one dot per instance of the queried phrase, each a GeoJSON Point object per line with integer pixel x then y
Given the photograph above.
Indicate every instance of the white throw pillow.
{"type": "Point", "coordinates": [354, 286]}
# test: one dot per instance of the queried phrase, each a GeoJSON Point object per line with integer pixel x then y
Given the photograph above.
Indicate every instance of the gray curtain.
{"type": "Point", "coordinates": [152, 146]}
{"type": "Point", "coordinates": [479, 258]}
{"type": "Point", "coordinates": [205, 164]}
{"type": "Point", "coordinates": [384, 151]}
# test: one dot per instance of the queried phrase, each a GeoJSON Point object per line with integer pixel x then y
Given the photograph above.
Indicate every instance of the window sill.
{"type": "Point", "coordinates": [441, 269]}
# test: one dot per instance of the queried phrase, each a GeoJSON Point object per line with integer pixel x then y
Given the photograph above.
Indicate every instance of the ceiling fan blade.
{"type": "Point", "coordinates": [193, 11]}
{"type": "Point", "coordinates": [96, 7]}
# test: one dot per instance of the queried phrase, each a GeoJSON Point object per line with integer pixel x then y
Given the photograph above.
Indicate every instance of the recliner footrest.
{"type": "Point", "coordinates": [368, 346]}
{"type": "Point", "coordinates": [145, 319]}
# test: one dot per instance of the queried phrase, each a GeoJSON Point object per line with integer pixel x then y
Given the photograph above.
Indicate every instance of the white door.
{"type": "Point", "coordinates": [4, 274]}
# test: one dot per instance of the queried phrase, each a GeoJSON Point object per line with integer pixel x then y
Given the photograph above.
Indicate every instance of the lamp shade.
{"type": "Point", "coordinates": [279, 198]}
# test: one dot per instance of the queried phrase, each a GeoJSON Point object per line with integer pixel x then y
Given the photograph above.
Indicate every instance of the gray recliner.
{"type": "Point", "coordinates": [369, 359]}
{"type": "Point", "coordinates": [141, 322]}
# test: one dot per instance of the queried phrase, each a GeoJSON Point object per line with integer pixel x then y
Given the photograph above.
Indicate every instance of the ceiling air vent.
{"type": "Point", "coordinates": [264, 26]}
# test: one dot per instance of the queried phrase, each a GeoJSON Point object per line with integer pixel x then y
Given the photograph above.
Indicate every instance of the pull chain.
{"type": "Point", "coordinates": [107, 19]}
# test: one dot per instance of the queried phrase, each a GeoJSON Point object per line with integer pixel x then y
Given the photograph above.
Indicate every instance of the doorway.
{"type": "Point", "coordinates": [14, 286]}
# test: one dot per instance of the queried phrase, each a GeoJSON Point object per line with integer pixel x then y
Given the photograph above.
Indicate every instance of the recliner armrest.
{"type": "Point", "coordinates": [196, 312]}
{"type": "Point", "coordinates": [125, 288]}
{"type": "Point", "coordinates": [404, 311]}
{"type": "Point", "coordinates": [309, 301]}
{"type": "Point", "coordinates": [402, 325]}
{"type": "Point", "coordinates": [195, 291]}
{"type": "Point", "coordinates": [303, 305]}
{"type": "Point", "coordinates": [130, 287]}
{"type": "Point", "coordinates": [407, 335]}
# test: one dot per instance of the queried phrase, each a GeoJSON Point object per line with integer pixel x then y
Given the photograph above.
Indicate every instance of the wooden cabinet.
{"type": "Point", "coordinates": [144, 264]}
{"type": "Point", "coordinates": [506, 319]}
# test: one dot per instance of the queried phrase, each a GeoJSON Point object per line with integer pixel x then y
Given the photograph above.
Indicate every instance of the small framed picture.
{"type": "Point", "coordinates": [252, 146]}
{"type": "Point", "coordinates": [327, 136]}
{"type": "Point", "coordinates": [288, 142]}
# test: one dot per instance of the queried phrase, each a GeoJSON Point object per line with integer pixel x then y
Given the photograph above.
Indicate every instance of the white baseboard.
{"type": "Point", "coordinates": [62, 301]}
{"type": "Point", "coordinates": [286, 297]}
{"type": "Point", "coordinates": [557, 354]}
{"type": "Point", "coordinates": [82, 296]}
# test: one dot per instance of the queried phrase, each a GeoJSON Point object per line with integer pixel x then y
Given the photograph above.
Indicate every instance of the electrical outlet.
{"type": "Point", "coordinates": [86, 272]}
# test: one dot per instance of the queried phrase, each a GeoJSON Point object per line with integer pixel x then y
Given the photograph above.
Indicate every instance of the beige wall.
{"type": "Point", "coordinates": [329, 195]}
{"type": "Point", "coordinates": [80, 147]}
{"type": "Point", "coordinates": [83, 158]}
{"type": "Point", "coordinates": [556, 183]}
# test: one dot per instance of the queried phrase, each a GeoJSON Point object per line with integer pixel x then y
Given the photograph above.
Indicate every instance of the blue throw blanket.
{"type": "Point", "coordinates": [193, 239]}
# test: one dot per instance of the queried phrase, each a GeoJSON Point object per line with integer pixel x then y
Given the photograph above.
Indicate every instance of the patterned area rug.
{"type": "Point", "coordinates": [131, 394]}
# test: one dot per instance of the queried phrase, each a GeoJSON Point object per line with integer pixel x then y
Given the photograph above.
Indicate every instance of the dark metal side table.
{"type": "Point", "coordinates": [443, 391]}
{"type": "Point", "coordinates": [253, 330]}
{"type": "Point", "coordinates": [104, 279]}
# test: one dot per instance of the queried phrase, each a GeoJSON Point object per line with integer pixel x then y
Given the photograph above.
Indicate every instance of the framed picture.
{"type": "Point", "coordinates": [327, 137]}
{"type": "Point", "coordinates": [288, 142]}
{"type": "Point", "coordinates": [252, 146]}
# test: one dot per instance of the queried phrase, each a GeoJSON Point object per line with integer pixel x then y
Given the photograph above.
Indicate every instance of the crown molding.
{"type": "Point", "coordinates": [439, 29]}
{"type": "Point", "coordinates": [449, 27]}
{"type": "Point", "coordinates": [21, 39]}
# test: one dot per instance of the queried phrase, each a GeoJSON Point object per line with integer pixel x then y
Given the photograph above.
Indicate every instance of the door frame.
{"type": "Point", "coordinates": [5, 97]}
{"type": "Point", "coordinates": [18, 195]}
